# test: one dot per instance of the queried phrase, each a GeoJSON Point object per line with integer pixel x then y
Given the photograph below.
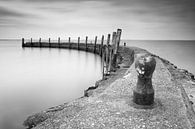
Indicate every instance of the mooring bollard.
{"type": "Point", "coordinates": [143, 93]}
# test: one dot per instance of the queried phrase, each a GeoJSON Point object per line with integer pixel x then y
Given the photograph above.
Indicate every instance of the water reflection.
{"type": "Point", "coordinates": [33, 79]}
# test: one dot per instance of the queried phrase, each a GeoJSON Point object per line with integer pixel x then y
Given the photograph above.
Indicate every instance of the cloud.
{"type": "Point", "coordinates": [148, 16]}
{"type": "Point", "coordinates": [5, 12]}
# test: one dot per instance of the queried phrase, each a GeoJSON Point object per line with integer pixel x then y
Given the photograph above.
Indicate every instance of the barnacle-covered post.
{"type": "Point", "coordinates": [143, 93]}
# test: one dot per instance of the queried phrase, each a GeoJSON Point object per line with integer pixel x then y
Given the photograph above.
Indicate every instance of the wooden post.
{"type": "Point", "coordinates": [49, 42]}
{"type": "Point", "coordinates": [78, 42]}
{"type": "Point", "coordinates": [22, 42]}
{"type": "Point", "coordinates": [86, 43]}
{"type": "Point", "coordinates": [108, 40]}
{"type": "Point", "coordinates": [31, 41]}
{"type": "Point", "coordinates": [107, 53]}
{"type": "Point", "coordinates": [69, 42]}
{"type": "Point", "coordinates": [103, 56]}
{"type": "Point", "coordinates": [58, 41]}
{"type": "Point", "coordinates": [113, 37]}
{"type": "Point", "coordinates": [101, 46]}
{"type": "Point", "coordinates": [118, 38]}
{"type": "Point", "coordinates": [69, 39]}
{"type": "Point", "coordinates": [117, 43]}
{"type": "Point", "coordinates": [95, 44]}
{"type": "Point", "coordinates": [40, 42]}
{"type": "Point", "coordinates": [110, 59]}
{"type": "Point", "coordinates": [114, 56]}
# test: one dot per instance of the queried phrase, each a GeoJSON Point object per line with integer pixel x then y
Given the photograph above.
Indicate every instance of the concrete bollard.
{"type": "Point", "coordinates": [143, 93]}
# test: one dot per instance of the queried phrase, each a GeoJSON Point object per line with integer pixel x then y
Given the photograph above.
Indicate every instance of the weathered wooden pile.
{"type": "Point", "coordinates": [108, 51]}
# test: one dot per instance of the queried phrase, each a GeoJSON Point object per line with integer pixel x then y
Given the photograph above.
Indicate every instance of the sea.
{"type": "Point", "coordinates": [34, 79]}
{"type": "Point", "coordinates": [179, 52]}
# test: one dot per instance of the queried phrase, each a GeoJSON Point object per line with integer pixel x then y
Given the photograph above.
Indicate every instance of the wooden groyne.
{"type": "Point", "coordinates": [108, 49]}
{"type": "Point", "coordinates": [121, 100]}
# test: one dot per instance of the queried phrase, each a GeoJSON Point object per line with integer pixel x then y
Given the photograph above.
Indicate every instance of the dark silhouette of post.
{"type": "Point", "coordinates": [78, 42]}
{"type": "Point", "coordinates": [40, 42]}
{"type": "Point", "coordinates": [86, 42]}
{"type": "Point", "coordinates": [101, 46]}
{"type": "Point", "coordinates": [22, 42]}
{"type": "Point", "coordinates": [69, 39]}
{"type": "Point", "coordinates": [118, 39]}
{"type": "Point", "coordinates": [143, 93]}
{"type": "Point", "coordinates": [58, 41]}
{"type": "Point", "coordinates": [69, 42]}
{"type": "Point", "coordinates": [95, 44]}
{"type": "Point", "coordinates": [103, 57]}
{"type": "Point", "coordinates": [49, 42]}
{"type": "Point", "coordinates": [107, 53]}
{"type": "Point", "coordinates": [110, 59]}
{"type": "Point", "coordinates": [113, 38]}
{"type": "Point", "coordinates": [31, 41]}
{"type": "Point", "coordinates": [113, 56]}
{"type": "Point", "coordinates": [110, 66]}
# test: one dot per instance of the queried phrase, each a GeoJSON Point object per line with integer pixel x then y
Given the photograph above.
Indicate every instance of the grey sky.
{"type": "Point", "coordinates": [139, 19]}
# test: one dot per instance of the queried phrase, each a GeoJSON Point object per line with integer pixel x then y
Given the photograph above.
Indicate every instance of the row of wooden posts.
{"type": "Point", "coordinates": [108, 51]}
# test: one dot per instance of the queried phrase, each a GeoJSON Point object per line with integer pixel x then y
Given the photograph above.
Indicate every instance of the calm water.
{"type": "Point", "coordinates": [33, 79]}
{"type": "Point", "coordinates": [180, 53]}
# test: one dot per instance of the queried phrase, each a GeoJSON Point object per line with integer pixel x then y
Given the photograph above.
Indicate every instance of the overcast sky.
{"type": "Point", "coordinates": [139, 19]}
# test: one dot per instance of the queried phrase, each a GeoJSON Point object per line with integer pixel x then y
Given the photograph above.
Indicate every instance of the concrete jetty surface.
{"type": "Point", "coordinates": [109, 105]}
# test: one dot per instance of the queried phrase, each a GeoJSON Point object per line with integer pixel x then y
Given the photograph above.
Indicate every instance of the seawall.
{"type": "Point", "coordinates": [108, 104]}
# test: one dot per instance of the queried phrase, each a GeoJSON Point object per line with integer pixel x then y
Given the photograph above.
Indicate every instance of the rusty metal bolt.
{"type": "Point", "coordinates": [143, 93]}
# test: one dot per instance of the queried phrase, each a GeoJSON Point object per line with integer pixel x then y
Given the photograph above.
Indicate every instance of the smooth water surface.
{"type": "Point", "coordinates": [180, 53]}
{"type": "Point", "coordinates": [34, 79]}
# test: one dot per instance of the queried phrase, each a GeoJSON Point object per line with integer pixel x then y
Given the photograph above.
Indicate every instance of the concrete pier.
{"type": "Point", "coordinates": [113, 101]}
